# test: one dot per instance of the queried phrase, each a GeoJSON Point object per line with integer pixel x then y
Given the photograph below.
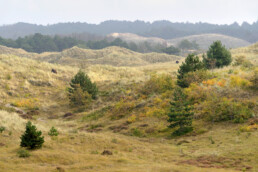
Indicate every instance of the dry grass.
{"type": "Point", "coordinates": [77, 149]}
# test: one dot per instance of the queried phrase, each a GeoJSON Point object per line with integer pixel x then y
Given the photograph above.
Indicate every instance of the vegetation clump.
{"type": "Point", "coordinates": [2, 129]}
{"type": "Point", "coordinates": [180, 115]}
{"type": "Point", "coordinates": [158, 84]}
{"type": "Point", "coordinates": [217, 56]}
{"type": "Point", "coordinates": [23, 153]}
{"type": "Point", "coordinates": [82, 90]}
{"type": "Point", "coordinates": [224, 109]}
{"type": "Point", "coordinates": [53, 132]}
{"type": "Point", "coordinates": [192, 63]}
{"type": "Point", "coordinates": [32, 138]}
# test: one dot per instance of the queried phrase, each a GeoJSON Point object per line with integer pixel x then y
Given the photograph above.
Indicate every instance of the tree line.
{"type": "Point", "coordinates": [39, 43]}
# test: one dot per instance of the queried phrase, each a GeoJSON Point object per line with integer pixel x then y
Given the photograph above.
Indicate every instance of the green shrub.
{"type": "Point", "coordinates": [22, 153]}
{"type": "Point", "coordinates": [32, 138]}
{"type": "Point", "coordinates": [2, 129]}
{"type": "Point", "coordinates": [192, 63]}
{"type": "Point", "coordinates": [53, 132]}
{"type": "Point", "coordinates": [224, 109]}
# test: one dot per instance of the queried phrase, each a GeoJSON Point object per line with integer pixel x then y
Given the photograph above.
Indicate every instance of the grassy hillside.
{"type": "Point", "coordinates": [128, 118]}
{"type": "Point", "coordinates": [114, 56]}
{"type": "Point", "coordinates": [204, 40]}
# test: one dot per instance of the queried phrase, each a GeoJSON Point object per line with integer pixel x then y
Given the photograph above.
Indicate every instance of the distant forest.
{"type": "Point", "coordinates": [162, 29]}
{"type": "Point", "coordinates": [39, 43]}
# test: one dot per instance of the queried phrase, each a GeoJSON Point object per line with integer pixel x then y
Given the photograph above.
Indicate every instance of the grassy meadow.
{"type": "Point", "coordinates": [129, 117]}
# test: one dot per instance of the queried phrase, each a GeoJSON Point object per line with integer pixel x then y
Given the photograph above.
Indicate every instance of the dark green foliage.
{"type": "Point", "coordinates": [83, 81]}
{"type": "Point", "coordinates": [2, 129]}
{"type": "Point", "coordinates": [180, 116]}
{"type": "Point", "coordinates": [53, 132]}
{"type": "Point", "coordinates": [218, 55]}
{"type": "Point", "coordinates": [192, 63]}
{"type": "Point", "coordinates": [32, 138]}
{"type": "Point", "coordinates": [171, 50]}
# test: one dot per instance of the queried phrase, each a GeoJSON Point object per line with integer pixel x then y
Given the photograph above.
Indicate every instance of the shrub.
{"type": "Point", "coordinates": [191, 64]}
{"type": "Point", "coordinates": [224, 109]}
{"type": "Point", "coordinates": [158, 84]}
{"type": "Point", "coordinates": [53, 132]}
{"type": "Point", "coordinates": [2, 129]}
{"type": "Point", "coordinates": [196, 77]}
{"type": "Point", "coordinates": [22, 153]}
{"type": "Point", "coordinates": [81, 85]}
{"type": "Point", "coordinates": [32, 138]}
{"type": "Point", "coordinates": [79, 98]}
{"type": "Point", "coordinates": [197, 93]}
{"type": "Point", "coordinates": [242, 61]}
{"type": "Point", "coordinates": [122, 108]}
{"type": "Point", "coordinates": [254, 80]}
{"type": "Point", "coordinates": [239, 60]}
{"type": "Point", "coordinates": [30, 104]}
{"type": "Point", "coordinates": [236, 81]}
{"type": "Point", "coordinates": [219, 54]}
{"type": "Point", "coordinates": [131, 119]}
{"type": "Point", "coordinates": [180, 115]}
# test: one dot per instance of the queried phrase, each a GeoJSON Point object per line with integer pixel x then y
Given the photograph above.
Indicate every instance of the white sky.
{"type": "Point", "coordinates": [96, 11]}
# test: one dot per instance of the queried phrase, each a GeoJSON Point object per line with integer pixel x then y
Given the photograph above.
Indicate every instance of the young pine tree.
{"type": "Point", "coordinates": [53, 132]}
{"type": "Point", "coordinates": [192, 63]}
{"type": "Point", "coordinates": [85, 84]}
{"type": "Point", "coordinates": [180, 116]}
{"type": "Point", "coordinates": [217, 54]}
{"type": "Point", "coordinates": [32, 138]}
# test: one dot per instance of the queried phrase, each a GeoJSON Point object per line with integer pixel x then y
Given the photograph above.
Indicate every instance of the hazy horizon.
{"type": "Point", "coordinates": [46, 12]}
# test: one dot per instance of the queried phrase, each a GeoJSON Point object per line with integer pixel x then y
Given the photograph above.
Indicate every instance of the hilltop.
{"type": "Point", "coordinates": [114, 56]}
{"type": "Point", "coordinates": [128, 118]}
{"type": "Point", "coordinates": [205, 40]}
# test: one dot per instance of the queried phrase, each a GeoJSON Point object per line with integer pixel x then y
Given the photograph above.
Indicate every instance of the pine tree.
{"type": "Point", "coordinates": [85, 84]}
{"type": "Point", "coordinates": [219, 54]}
{"type": "Point", "coordinates": [192, 63]}
{"type": "Point", "coordinates": [180, 115]}
{"type": "Point", "coordinates": [32, 138]}
{"type": "Point", "coordinates": [53, 132]}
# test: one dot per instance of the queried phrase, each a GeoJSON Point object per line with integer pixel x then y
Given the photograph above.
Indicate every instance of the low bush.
{"type": "Point", "coordinates": [2, 129]}
{"type": "Point", "coordinates": [236, 81]}
{"type": "Point", "coordinates": [158, 84]}
{"type": "Point", "coordinates": [30, 104]}
{"type": "Point", "coordinates": [254, 80]}
{"type": "Point", "coordinates": [22, 153]}
{"type": "Point", "coordinates": [196, 77]}
{"type": "Point", "coordinates": [224, 109]}
{"type": "Point", "coordinates": [122, 108]}
{"type": "Point", "coordinates": [242, 61]}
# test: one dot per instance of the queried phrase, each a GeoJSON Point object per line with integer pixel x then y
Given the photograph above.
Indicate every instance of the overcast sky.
{"type": "Point", "coordinates": [96, 11]}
